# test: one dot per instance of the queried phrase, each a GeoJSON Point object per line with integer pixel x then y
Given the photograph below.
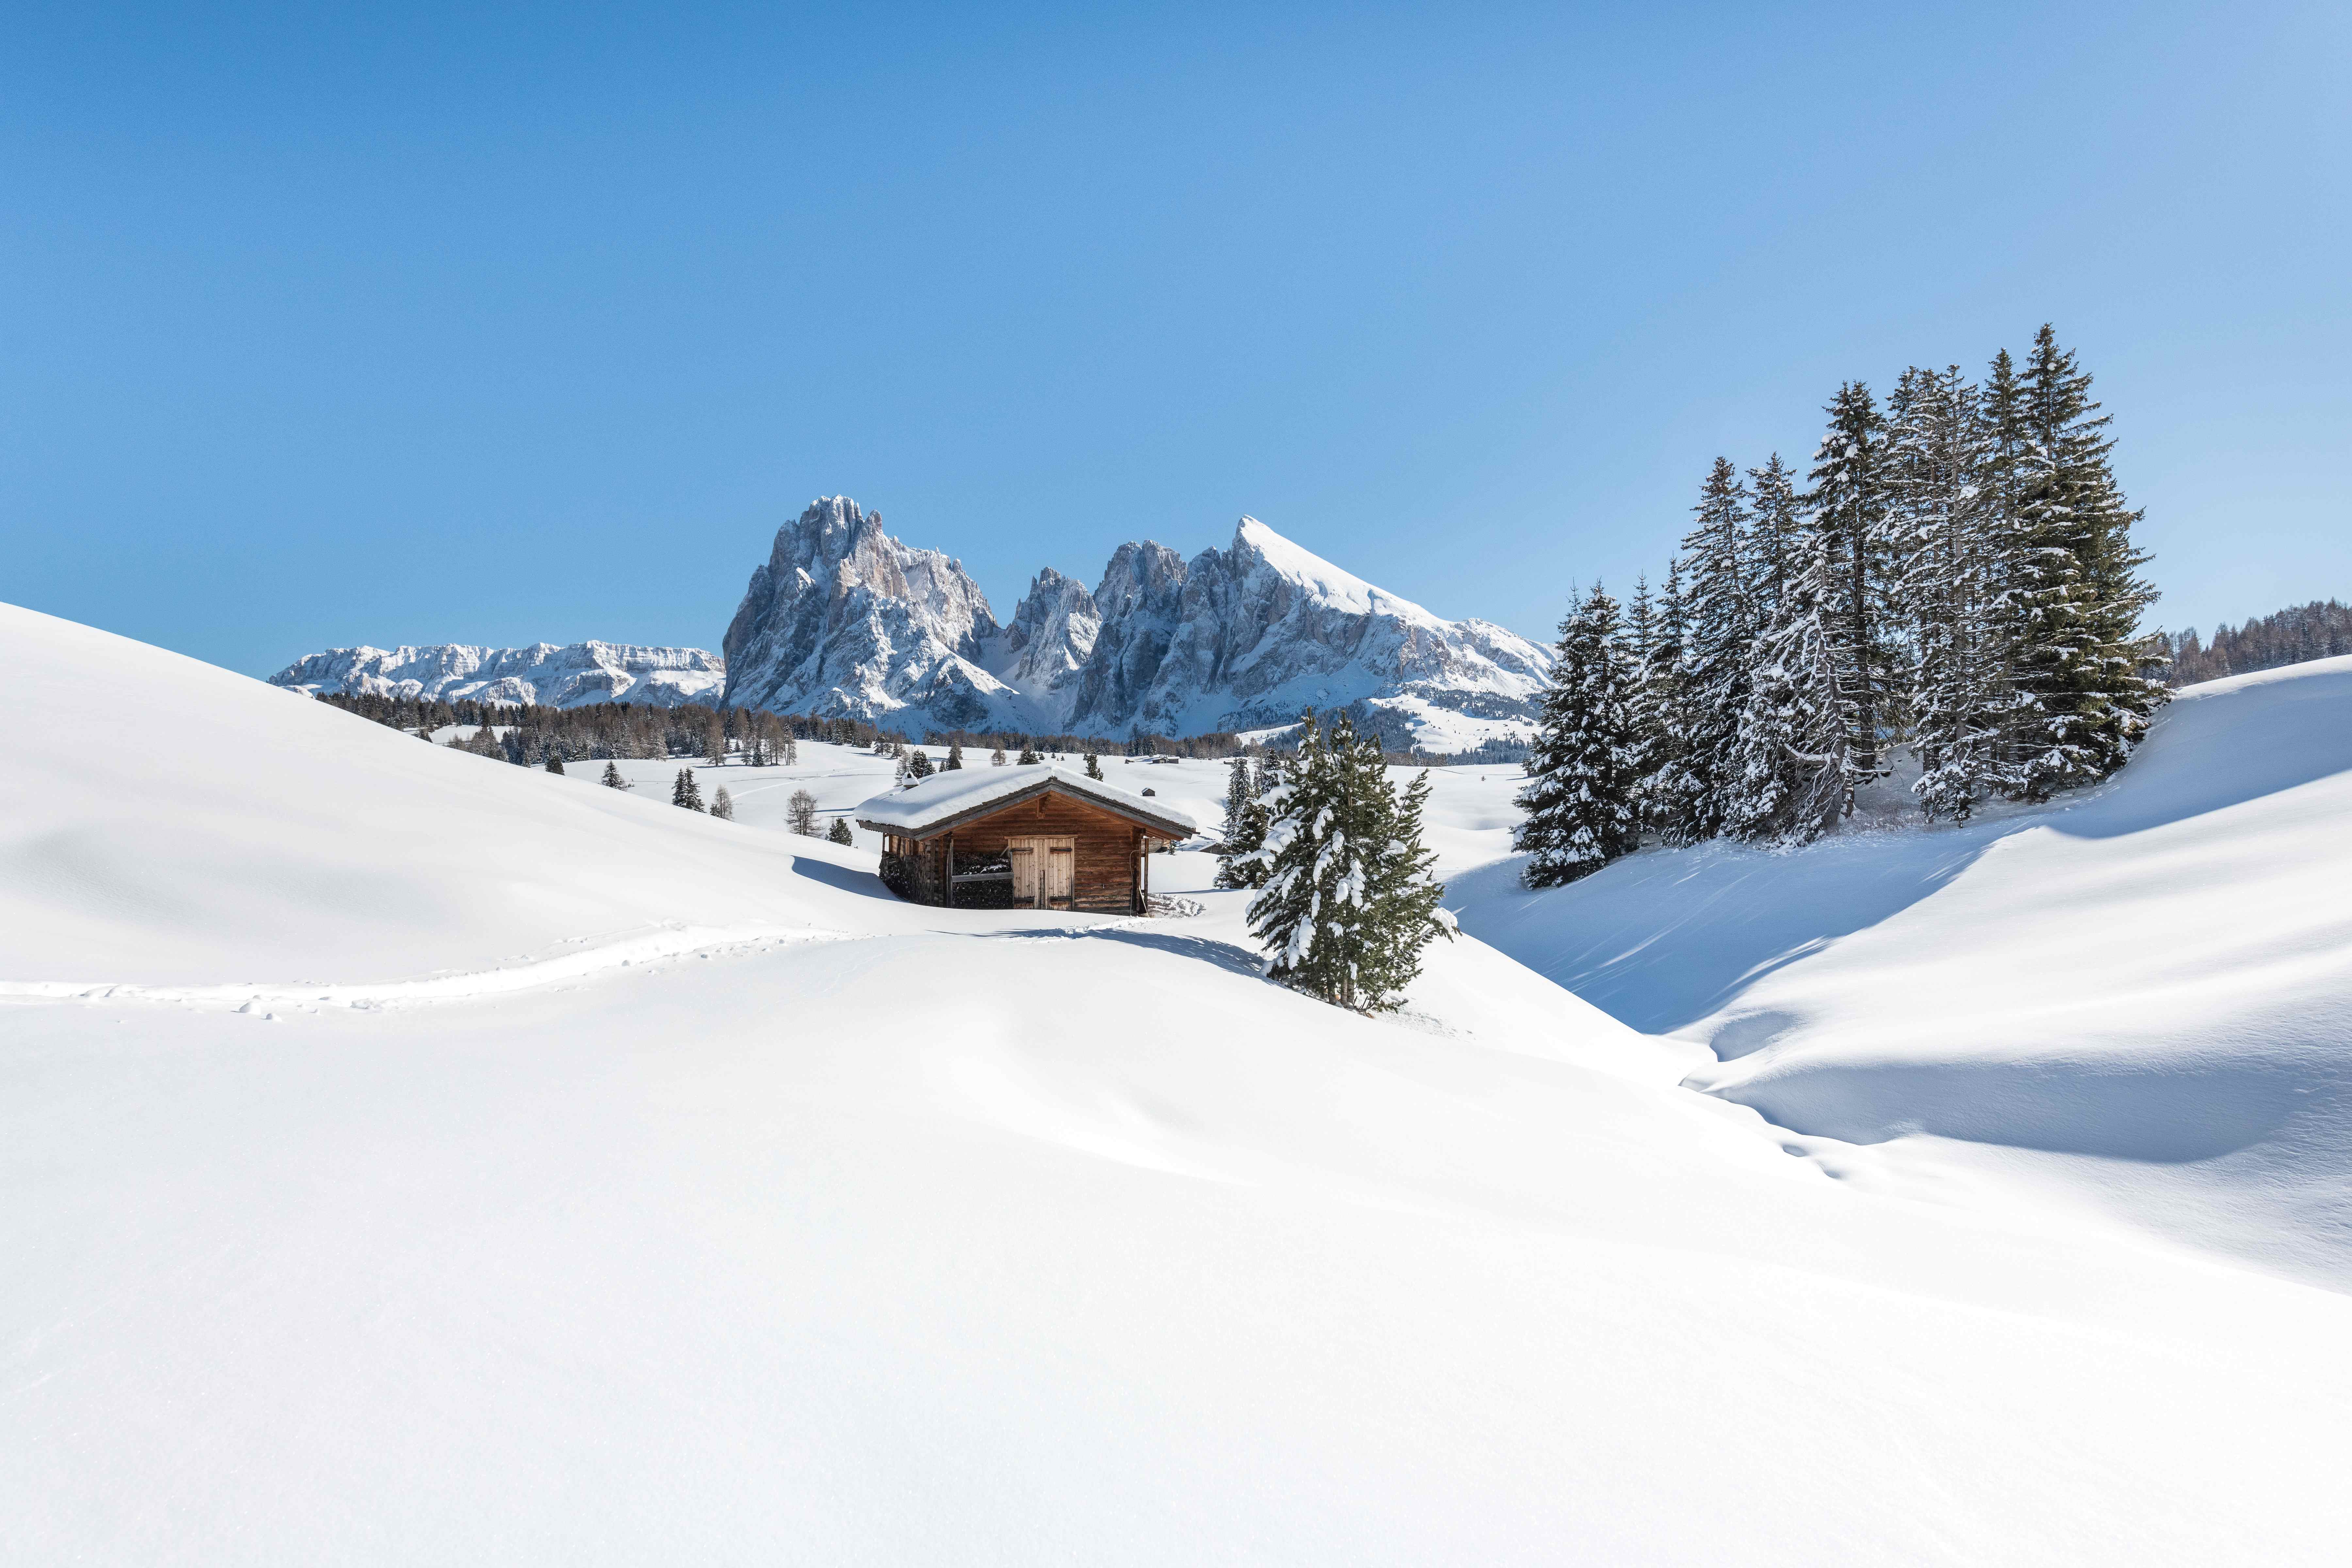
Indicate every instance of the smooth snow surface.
{"type": "Point", "coordinates": [2137, 1001]}
{"type": "Point", "coordinates": [963, 1238]}
{"type": "Point", "coordinates": [929, 802]}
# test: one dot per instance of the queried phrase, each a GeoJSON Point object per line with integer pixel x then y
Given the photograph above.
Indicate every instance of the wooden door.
{"type": "Point", "coordinates": [1044, 871]}
{"type": "Point", "coordinates": [1061, 871]}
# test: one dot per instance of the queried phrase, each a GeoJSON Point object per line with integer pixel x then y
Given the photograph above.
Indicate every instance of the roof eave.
{"type": "Point", "coordinates": [1162, 825]}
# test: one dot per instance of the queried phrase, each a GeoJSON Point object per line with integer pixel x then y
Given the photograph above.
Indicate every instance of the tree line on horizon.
{"type": "Point", "coordinates": [1955, 576]}
{"type": "Point", "coordinates": [2297, 635]}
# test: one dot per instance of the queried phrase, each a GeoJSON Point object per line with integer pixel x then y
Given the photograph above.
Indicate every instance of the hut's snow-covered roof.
{"type": "Point", "coordinates": [947, 797]}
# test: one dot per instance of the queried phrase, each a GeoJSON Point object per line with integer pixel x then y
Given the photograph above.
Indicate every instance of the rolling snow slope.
{"type": "Point", "coordinates": [2138, 1001]}
{"type": "Point", "coordinates": [965, 1237]}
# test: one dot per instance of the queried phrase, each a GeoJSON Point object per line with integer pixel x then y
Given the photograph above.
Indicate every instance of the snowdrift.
{"type": "Point", "coordinates": [174, 824]}
{"type": "Point", "coordinates": [2138, 1000]}
{"type": "Point", "coordinates": [966, 1237]}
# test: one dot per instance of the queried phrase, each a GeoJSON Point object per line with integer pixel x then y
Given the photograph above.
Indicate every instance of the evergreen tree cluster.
{"type": "Point", "coordinates": [1345, 900]}
{"type": "Point", "coordinates": [1954, 575]}
{"type": "Point", "coordinates": [530, 735]}
{"type": "Point", "coordinates": [2295, 636]}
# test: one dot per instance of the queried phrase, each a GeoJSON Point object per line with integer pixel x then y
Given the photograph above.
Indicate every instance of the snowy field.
{"type": "Point", "coordinates": [2134, 1003]}
{"type": "Point", "coordinates": [408, 1157]}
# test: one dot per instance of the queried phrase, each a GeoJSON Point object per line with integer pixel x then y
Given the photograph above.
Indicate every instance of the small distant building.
{"type": "Point", "coordinates": [1034, 838]}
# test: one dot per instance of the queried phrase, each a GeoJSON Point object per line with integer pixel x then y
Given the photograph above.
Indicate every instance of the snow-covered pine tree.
{"type": "Point", "coordinates": [1937, 449]}
{"type": "Point", "coordinates": [1093, 767]}
{"type": "Point", "coordinates": [954, 764]}
{"type": "Point", "coordinates": [1347, 903]}
{"type": "Point", "coordinates": [1029, 757]}
{"type": "Point", "coordinates": [1582, 768]}
{"type": "Point", "coordinates": [800, 813]}
{"type": "Point", "coordinates": [2078, 658]}
{"type": "Point", "coordinates": [1775, 515]}
{"type": "Point", "coordinates": [1244, 829]}
{"type": "Point", "coordinates": [1668, 797]}
{"type": "Point", "coordinates": [685, 792]}
{"type": "Point", "coordinates": [1719, 637]}
{"type": "Point", "coordinates": [613, 779]}
{"type": "Point", "coordinates": [1796, 771]}
{"type": "Point", "coordinates": [918, 763]}
{"type": "Point", "coordinates": [722, 805]}
{"type": "Point", "coordinates": [839, 832]}
{"type": "Point", "coordinates": [554, 761]}
{"type": "Point", "coordinates": [1848, 504]}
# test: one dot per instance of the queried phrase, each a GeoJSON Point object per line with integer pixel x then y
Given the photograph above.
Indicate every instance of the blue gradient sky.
{"type": "Point", "coordinates": [447, 324]}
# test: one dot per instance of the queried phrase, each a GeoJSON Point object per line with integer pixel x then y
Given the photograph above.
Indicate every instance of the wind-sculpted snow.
{"type": "Point", "coordinates": [988, 1237]}
{"type": "Point", "coordinates": [569, 677]}
{"type": "Point", "coordinates": [2136, 1000]}
{"type": "Point", "coordinates": [846, 619]}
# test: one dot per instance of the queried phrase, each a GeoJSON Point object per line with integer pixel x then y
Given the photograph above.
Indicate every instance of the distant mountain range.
{"type": "Point", "coordinates": [569, 677]}
{"type": "Point", "coordinates": [844, 620]}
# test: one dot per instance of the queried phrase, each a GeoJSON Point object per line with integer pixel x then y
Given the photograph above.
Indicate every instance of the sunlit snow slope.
{"type": "Point", "coordinates": [2139, 1000]}
{"type": "Point", "coordinates": [960, 1237]}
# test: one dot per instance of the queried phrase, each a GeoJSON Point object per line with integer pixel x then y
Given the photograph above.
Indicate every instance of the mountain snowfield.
{"type": "Point", "coordinates": [410, 1157]}
{"type": "Point", "coordinates": [570, 677]}
{"type": "Point", "coordinates": [843, 619]}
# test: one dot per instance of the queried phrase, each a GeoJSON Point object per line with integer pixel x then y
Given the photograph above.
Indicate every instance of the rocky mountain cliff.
{"type": "Point", "coordinates": [568, 677]}
{"type": "Point", "coordinates": [845, 619]}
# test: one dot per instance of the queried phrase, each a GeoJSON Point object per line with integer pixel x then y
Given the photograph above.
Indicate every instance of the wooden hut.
{"type": "Point", "coordinates": [1033, 837]}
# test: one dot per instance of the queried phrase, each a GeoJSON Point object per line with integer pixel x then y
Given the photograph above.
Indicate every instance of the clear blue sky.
{"type": "Point", "coordinates": [505, 324]}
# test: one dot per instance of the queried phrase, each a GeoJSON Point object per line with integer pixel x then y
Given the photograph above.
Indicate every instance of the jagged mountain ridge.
{"type": "Point", "coordinates": [845, 619]}
{"type": "Point", "coordinates": [574, 675]}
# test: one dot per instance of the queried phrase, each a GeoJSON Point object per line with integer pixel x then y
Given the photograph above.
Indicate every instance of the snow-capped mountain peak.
{"type": "Point", "coordinates": [846, 619]}
{"type": "Point", "coordinates": [572, 675]}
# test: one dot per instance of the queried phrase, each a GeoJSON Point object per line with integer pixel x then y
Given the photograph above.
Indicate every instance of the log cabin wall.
{"type": "Point", "coordinates": [1108, 850]}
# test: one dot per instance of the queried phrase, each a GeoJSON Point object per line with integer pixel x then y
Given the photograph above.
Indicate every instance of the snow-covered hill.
{"type": "Point", "coordinates": [845, 619]}
{"type": "Point", "coordinates": [2136, 1002]}
{"type": "Point", "coordinates": [408, 1157]}
{"type": "Point", "coordinates": [569, 677]}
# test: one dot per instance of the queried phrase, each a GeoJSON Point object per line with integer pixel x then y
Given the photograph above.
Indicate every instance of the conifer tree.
{"type": "Point", "coordinates": [839, 832]}
{"type": "Point", "coordinates": [554, 761]}
{"type": "Point", "coordinates": [1939, 449]}
{"type": "Point", "coordinates": [918, 763]}
{"type": "Point", "coordinates": [1795, 773]}
{"type": "Point", "coordinates": [1669, 792]}
{"type": "Point", "coordinates": [1719, 637]}
{"type": "Point", "coordinates": [1348, 903]}
{"type": "Point", "coordinates": [2077, 594]}
{"type": "Point", "coordinates": [1244, 829]}
{"type": "Point", "coordinates": [685, 792]}
{"type": "Point", "coordinates": [613, 779]}
{"type": "Point", "coordinates": [1093, 767]}
{"type": "Point", "coordinates": [1848, 504]}
{"type": "Point", "coordinates": [1029, 757]}
{"type": "Point", "coordinates": [722, 805]}
{"type": "Point", "coordinates": [954, 764]}
{"type": "Point", "coordinates": [1582, 770]}
{"type": "Point", "coordinates": [1776, 516]}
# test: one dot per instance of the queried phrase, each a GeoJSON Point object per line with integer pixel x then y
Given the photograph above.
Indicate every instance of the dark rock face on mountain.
{"type": "Point", "coordinates": [845, 619]}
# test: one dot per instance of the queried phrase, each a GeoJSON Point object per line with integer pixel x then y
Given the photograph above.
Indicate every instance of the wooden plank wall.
{"type": "Point", "coordinates": [1103, 880]}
